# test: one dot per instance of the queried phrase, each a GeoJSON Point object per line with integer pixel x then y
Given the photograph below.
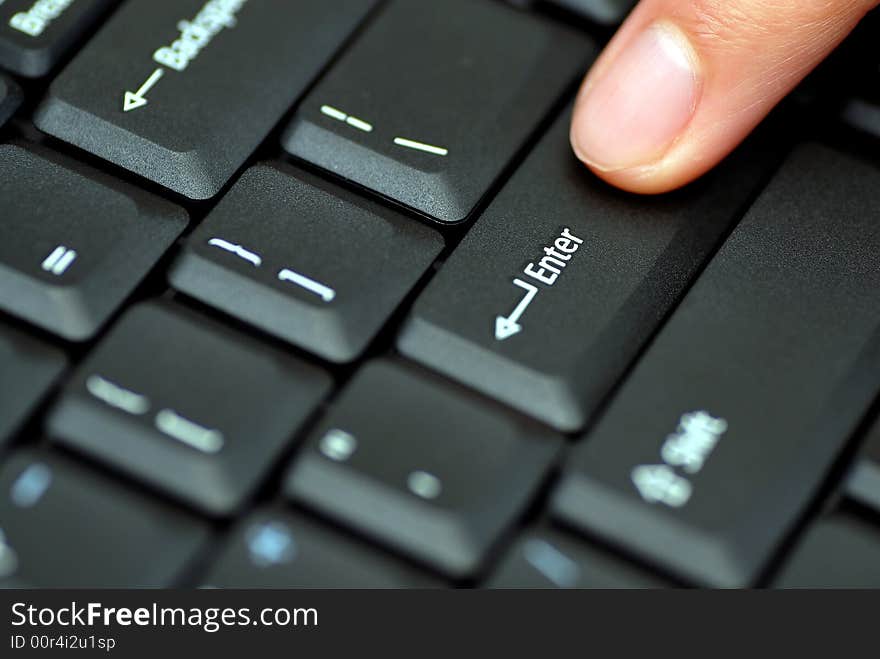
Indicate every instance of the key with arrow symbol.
{"type": "Point", "coordinates": [505, 327]}
{"type": "Point", "coordinates": [135, 100]}
{"type": "Point", "coordinates": [202, 120]}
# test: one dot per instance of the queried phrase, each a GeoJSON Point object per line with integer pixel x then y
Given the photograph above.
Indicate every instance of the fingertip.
{"type": "Point", "coordinates": [684, 81]}
{"type": "Point", "coordinates": [629, 115]}
{"type": "Point", "coordinates": [651, 179]}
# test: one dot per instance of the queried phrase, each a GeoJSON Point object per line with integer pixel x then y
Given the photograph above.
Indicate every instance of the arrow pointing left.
{"type": "Point", "coordinates": [134, 100]}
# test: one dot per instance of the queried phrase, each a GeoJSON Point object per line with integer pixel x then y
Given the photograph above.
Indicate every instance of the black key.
{"type": "Point", "coordinates": [546, 558]}
{"type": "Point", "coordinates": [182, 92]}
{"type": "Point", "coordinates": [839, 552]}
{"type": "Point", "coordinates": [863, 481]}
{"type": "Point", "coordinates": [434, 99]}
{"type": "Point", "coordinates": [187, 406]}
{"type": "Point", "coordinates": [35, 34]}
{"type": "Point", "coordinates": [730, 421]}
{"type": "Point", "coordinates": [305, 260]}
{"type": "Point", "coordinates": [62, 526]}
{"type": "Point", "coordinates": [76, 242]}
{"type": "Point", "coordinates": [604, 12]}
{"type": "Point", "coordinates": [10, 99]}
{"type": "Point", "coordinates": [279, 550]}
{"type": "Point", "coordinates": [561, 281]}
{"type": "Point", "coordinates": [27, 370]}
{"type": "Point", "coordinates": [415, 463]}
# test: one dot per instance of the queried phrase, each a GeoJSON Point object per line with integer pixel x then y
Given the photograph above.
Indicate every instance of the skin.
{"type": "Point", "coordinates": [684, 81]}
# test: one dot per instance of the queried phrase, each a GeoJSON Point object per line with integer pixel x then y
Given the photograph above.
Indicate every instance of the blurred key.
{"type": "Point", "coordinates": [75, 241]}
{"type": "Point", "coordinates": [604, 12]}
{"type": "Point", "coordinates": [547, 558]}
{"type": "Point", "coordinates": [280, 550]}
{"type": "Point", "coordinates": [863, 482]}
{"type": "Point", "coordinates": [559, 283]}
{"type": "Point", "coordinates": [417, 464]}
{"type": "Point", "coordinates": [305, 260]}
{"type": "Point", "coordinates": [64, 526]}
{"type": "Point", "coordinates": [27, 370]}
{"type": "Point", "coordinates": [839, 552]}
{"type": "Point", "coordinates": [434, 99]}
{"type": "Point", "coordinates": [35, 34]}
{"type": "Point", "coordinates": [861, 83]}
{"type": "Point", "coordinates": [186, 405]}
{"type": "Point", "coordinates": [730, 422]}
{"type": "Point", "coordinates": [182, 92]}
{"type": "Point", "coordinates": [10, 99]}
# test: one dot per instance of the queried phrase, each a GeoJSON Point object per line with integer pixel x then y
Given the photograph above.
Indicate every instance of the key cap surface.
{"type": "Point", "coordinates": [305, 260]}
{"type": "Point", "coordinates": [429, 105]}
{"type": "Point", "coordinates": [65, 526]}
{"type": "Point", "coordinates": [839, 552]}
{"type": "Point", "coordinates": [76, 242]}
{"type": "Point", "coordinates": [606, 267]}
{"type": "Point", "coordinates": [35, 34]}
{"type": "Point", "coordinates": [10, 99]}
{"type": "Point", "coordinates": [27, 369]}
{"type": "Point", "coordinates": [273, 549]}
{"type": "Point", "coordinates": [413, 462]}
{"type": "Point", "coordinates": [729, 423]}
{"type": "Point", "coordinates": [186, 108]}
{"type": "Point", "coordinates": [186, 405]}
{"type": "Point", "coordinates": [546, 558]}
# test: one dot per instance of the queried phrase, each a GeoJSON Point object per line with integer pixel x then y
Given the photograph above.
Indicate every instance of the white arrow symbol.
{"type": "Point", "coordinates": [135, 100]}
{"type": "Point", "coordinates": [507, 327]}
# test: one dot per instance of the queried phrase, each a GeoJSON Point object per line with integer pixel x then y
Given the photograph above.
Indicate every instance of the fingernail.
{"type": "Point", "coordinates": [640, 103]}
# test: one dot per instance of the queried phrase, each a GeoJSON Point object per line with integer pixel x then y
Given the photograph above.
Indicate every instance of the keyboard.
{"type": "Point", "coordinates": [316, 295]}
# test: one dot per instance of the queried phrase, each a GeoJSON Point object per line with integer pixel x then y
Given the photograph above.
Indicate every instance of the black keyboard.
{"type": "Point", "coordinates": [315, 294]}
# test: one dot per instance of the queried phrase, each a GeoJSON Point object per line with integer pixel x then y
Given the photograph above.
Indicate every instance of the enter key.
{"type": "Point", "coordinates": [561, 281]}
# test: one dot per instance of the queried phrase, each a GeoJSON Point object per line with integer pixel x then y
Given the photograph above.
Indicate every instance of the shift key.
{"type": "Point", "coordinates": [561, 281]}
{"type": "Point", "coordinates": [183, 92]}
{"type": "Point", "coordinates": [731, 421]}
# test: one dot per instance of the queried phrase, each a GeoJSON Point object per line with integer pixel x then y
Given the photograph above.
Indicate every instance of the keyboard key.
{"type": "Point", "coordinates": [730, 422]}
{"type": "Point", "coordinates": [186, 405]}
{"type": "Point", "coordinates": [27, 370]}
{"type": "Point", "coordinates": [76, 242]}
{"type": "Point", "coordinates": [559, 283]}
{"type": "Point", "coordinates": [304, 260]}
{"type": "Point", "coordinates": [429, 106]}
{"type": "Point", "coordinates": [62, 526]}
{"type": "Point", "coordinates": [35, 34]}
{"type": "Point", "coordinates": [411, 461]}
{"type": "Point", "coordinates": [840, 552]}
{"type": "Point", "coordinates": [604, 12]}
{"type": "Point", "coordinates": [863, 482]}
{"type": "Point", "coordinates": [183, 92]}
{"type": "Point", "coordinates": [279, 550]}
{"type": "Point", "coordinates": [545, 558]}
{"type": "Point", "coordinates": [10, 99]}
